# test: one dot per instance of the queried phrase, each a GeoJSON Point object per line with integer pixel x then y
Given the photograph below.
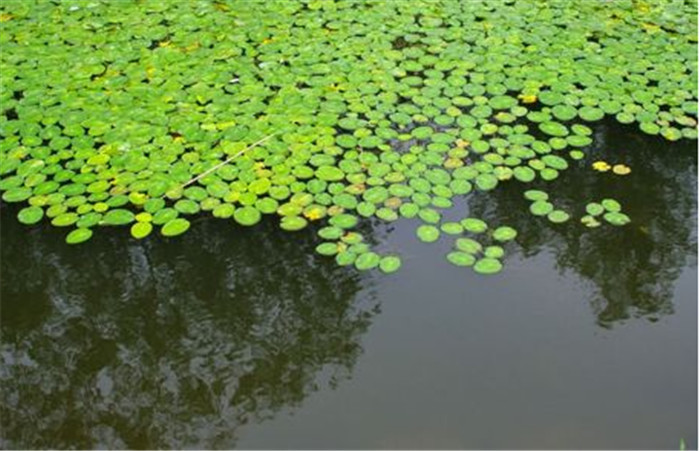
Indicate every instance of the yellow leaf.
{"type": "Point", "coordinates": [528, 98]}
{"type": "Point", "coordinates": [4, 17]}
{"type": "Point", "coordinates": [601, 166]}
{"type": "Point", "coordinates": [621, 169]}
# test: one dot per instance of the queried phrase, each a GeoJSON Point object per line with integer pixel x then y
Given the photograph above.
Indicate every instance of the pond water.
{"type": "Point", "coordinates": [230, 337]}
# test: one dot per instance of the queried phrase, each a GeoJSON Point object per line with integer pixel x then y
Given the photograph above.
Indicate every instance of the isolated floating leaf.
{"type": "Point", "coordinates": [389, 264]}
{"type": "Point", "coordinates": [78, 236]}
{"type": "Point", "coordinates": [428, 233]}
{"type": "Point", "coordinates": [504, 233]}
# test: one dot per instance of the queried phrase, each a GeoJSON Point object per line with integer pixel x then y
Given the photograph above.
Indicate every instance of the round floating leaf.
{"type": "Point", "coordinates": [535, 195]}
{"type": "Point", "coordinates": [247, 216]}
{"type": "Point", "coordinates": [468, 245]}
{"type": "Point", "coordinates": [611, 205]}
{"type": "Point", "coordinates": [590, 221]}
{"type": "Point", "coordinates": [78, 236]}
{"type": "Point", "coordinates": [428, 233]}
{"type": "Point", "coordinates": [117, 217]}
{"type": "Point", "coordinates": [330, 173]}
{"type": "Point", "coordinates": [327, 249]}
{"type": "Point", "coordinates": [293, 223]}
{"type": "Point", "coordinates": [367, 260]}
{"type": "Point", "coordinates": [504, 233]}
{"type": "Point", "coordinates": [390, 264]}
{"type": "Point", "coordinates": [621, 169]}
{"type": "Point", "coordinates": [331, 233]}
{"type": "Point", "coordinates": [452, 228]}
{"type": "Point", "coordinates": [17, 194]}
{"type": "Point", "coordinates": [175, 227]}
{"type": "Point", "coordinates": [141, 230]}
{"type": "Point", "coordinates": [30, 215]}
{"type": "Point", "coordinates": [458, 258]}
{"type": "Point", "coordinates": [553, 129]}
{"type": "Point", "coordinates": [494, 252]}
{"type": "Point", "coordinates": [64, 219]}
{"type": "Point", "coordinates": [594, 209]}
{"type": "Point", "coordinates": [344, 221]}
{"type": "Point", "coordinates": [474, 225]}
{"type": "Point", "coordinates": [524, 174]}
{"type": "Point", "coordinates": [558, 216]}
{"type": "Point", "coordinates": [616, 218]}
{"type": "Point", "coordinates": [488, 266]}
{"type": "Point", "coordinates": [429, 215]}
{"type": "Point", "coordinates": [541, 208]}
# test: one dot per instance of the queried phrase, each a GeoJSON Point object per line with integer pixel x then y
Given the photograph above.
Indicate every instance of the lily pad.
{"type": "Point", "coordinates": [504, 233]}
{"type": "Point", "coordinates": [78, 236]}
{"type": "Point", "coordinates": [541, 208]}
{"type": "Point", "coordinates": [141, 230]}
{"type": "Point", "coordinates": [389, 264]}
{"type": "Point", "coordinates": [474, 225]}
{"type": "Point", "coordinates": [488, 266]}
{"type": "Point", "coordinates": [558, 216]}
{"type": "Point", "coordinates": [175, 227]}
{"type": "Point", "coordinates": [459, 258]}
{"type": "Point", "coordinates": [367, 260]}
{"type": "Point", "coordinates": [428, 233]}
{"type": "Point", "coordinates": [247, 216]}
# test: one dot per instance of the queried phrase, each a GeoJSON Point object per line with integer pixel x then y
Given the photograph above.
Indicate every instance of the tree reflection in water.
{"type": "Point", "coordinates": [633, 268]}
{"type": "Point", "coordinates": [167, 344]}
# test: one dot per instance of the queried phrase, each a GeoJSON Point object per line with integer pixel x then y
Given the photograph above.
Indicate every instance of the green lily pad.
{"type": "Point", "coordinates": [141, 230]}
{"type": "Point", "coordinates": [367, 260]}
{"type": "Point", "coordinates": [474, 225]}
{"type": "Point", "coordinates": [558, 216]}
{"type": "Point", "coordinates": [541, 208]}
{"type": "Point", "coordinates": [428, 233]}
{"type": "Point", "coordinates": [594, 209]}
{"type": "Point", "coordinates": [247, 216]}
{"type": "Point", "coordinates": [293, 223]}
{"type": "Point", "coordinates": [494, 252]}
{"type": "Point", "coordinates": [344, 221]}
{"type": "Point", "coordinates": [327, 249]}
{"type": "Point", "coordinates": [452, 228]}
{"type": "Point", "coordinates": [459, 258]}
{"type": "Point", "coordinates": [616, 218]}
{"type": "Point", "coordinates": [30, 215]}
{"type": "Point", "coordinates": [504, 233]}
{"type": "Point", "coordinates": [488, 266]}
{"type": "Point", "coordinates": [468, 245]}
{"type": "Point", "coordinates": [118, 217]}
{"type": "Point", "coordinates": [390, 264]}
{"type": "Point", "coordinates": [611, 205]}
{"type": "Point", "coordinates": [535, 195]}
{"type": "Point", "coordinates": [175, 227]}
{"type": "Point", "coordinates": [78, 236]}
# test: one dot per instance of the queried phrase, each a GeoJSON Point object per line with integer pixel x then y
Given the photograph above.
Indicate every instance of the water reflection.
{"type": "Point", "coordinates": [124, 344]}
{"type": "Point", "coordinates": [633, 268]}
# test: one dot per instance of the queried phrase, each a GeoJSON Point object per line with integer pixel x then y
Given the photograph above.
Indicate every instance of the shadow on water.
{"type": "Point", "coordinates": [632, 268]}
{"type": "Point", "coordinates": [180, 343]}
{"type": "Point", "coordinates": [167, 344]}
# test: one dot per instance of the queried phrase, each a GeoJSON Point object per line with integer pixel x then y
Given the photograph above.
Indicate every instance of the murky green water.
{"type": "Point", "coordinates": [245, 338]}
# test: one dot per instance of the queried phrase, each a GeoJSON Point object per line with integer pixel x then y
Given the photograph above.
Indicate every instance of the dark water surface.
{"type": "Point", "coordinates": [229, 337]}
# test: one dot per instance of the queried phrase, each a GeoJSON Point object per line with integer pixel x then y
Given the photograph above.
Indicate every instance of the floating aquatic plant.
{"type": "Point", "coordinates": [310, 112]}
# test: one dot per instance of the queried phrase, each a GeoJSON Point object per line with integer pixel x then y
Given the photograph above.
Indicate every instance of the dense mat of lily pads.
{"type": "Point", "coordinates": [145, 113]}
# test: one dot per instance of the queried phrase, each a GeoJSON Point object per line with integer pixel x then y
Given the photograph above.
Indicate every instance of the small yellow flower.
{"type": "Point", "coordinates": [528, 98]}
{"type": "Point", "coordinates": [601, 166]}
{"type": "Point", "coordinates": [621, 169]}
